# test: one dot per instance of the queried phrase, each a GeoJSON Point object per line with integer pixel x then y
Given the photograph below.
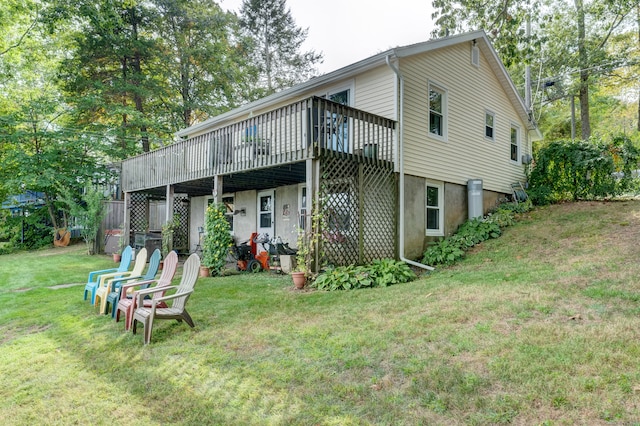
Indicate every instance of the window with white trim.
{"type": "Point", "coordinates": [515, 143]}
{"type": "Point", "coordinates": [437, 112]}
{"type": "Point", "coordinates": [434, 209]}
{"type": "Point", "coordinates": [489, 125]}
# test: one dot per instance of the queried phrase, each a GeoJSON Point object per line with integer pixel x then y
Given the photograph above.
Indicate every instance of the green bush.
{"type": "Point", "coordinates": [385, 272]}
{"type": "Point", "coordinates": [217, 239]}
{"type": "Point", "coordinates": [567, 170]}
{"type": "Point", "coordinates": [31, 231]}
{"type": "Point", "coordinates": [381, 273]}
{"type": "Point", "coordinates": [447, 251]}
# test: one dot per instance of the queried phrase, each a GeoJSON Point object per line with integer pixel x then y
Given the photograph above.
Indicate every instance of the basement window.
{"type": "Point", "coordinates": [434, 209]}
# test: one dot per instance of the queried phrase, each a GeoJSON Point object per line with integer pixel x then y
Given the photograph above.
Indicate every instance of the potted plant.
{"type": "Point", "coordinates": [303, 260]}
{"type": "Point", "coordinates": [308, 241]}
{"type": "Point", "coordinates": [216, 240]}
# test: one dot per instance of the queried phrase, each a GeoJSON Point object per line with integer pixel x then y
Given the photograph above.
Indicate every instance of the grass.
{"type": "Point", "coordinates": [537, 327]}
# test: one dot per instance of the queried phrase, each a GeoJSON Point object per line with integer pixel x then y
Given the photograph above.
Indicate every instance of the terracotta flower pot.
{"type": "Point", "coordinates": [117, 257]}
{"type": "Point", "coordinates": [204, 271]}
{"type": "Point", "coordinates": [299, 280]}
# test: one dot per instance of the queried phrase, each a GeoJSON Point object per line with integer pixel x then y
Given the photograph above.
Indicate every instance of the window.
{"type": "Point", "coordinates": [489, 127]}
{"type": "Point", "coordinates": [437, 112]}
{"type": "Point", "coordinates": [338, 124]}
{"type": "Point", "coordinates": [434, 209]}
{"type": "Point", "coordinates": [515, 143]}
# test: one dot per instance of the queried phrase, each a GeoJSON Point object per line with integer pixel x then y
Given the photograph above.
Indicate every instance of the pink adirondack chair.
{"type": "Point", "coordinates": [158, 310]}
{"type": "Point", "coordinates": [128, 305]}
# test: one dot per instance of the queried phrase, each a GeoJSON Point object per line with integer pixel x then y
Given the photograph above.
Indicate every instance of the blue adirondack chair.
{"type": "Point", "coordinates": [114, 296]}
{"type": "Point", "coordinates": [94, 277]}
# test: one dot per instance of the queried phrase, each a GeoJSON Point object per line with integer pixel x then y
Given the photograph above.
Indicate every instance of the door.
{"type": "Point", "coordinates": [266, 205]}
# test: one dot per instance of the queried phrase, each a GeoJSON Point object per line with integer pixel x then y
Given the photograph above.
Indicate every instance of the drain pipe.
{"type": "Point", "coordinates": [401, 167]}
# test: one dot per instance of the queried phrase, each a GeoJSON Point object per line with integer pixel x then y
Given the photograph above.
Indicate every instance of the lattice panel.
{"type": "Point", "coordinates": [138, 206]}
{"type": "Point", "coordinates": [341, 227]}
{"type": "Point", "coordinates": [379, 213]}
{"type": "Point", "coordinates": [359, 212]}
{"type": "Point", "coordinates": [181, 235]}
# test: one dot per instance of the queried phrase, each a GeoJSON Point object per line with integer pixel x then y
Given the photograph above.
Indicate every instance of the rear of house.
{"type": "Point", "coordinates": [385, 145]}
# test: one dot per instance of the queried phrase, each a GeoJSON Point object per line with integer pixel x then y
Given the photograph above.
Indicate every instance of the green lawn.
{"type": "Point", "coordinates": [540, 326]}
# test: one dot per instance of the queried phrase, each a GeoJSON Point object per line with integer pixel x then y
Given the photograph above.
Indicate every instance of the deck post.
{"type": "Point", "coordinates": [217, 189]}
{"type": "Point", "coordinates": [127, 217]}
{"type": "Point", "coordinates": [168, 211]}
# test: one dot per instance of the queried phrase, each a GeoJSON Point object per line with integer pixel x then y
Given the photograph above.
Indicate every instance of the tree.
{"type": "Point", "coordinates": [203, 59]}
{"type": "Point", "coordinates": [276, 45]}
{"type": "Point", "coordinates": [106, 77]}
{"type": "Point", "coordinates": [40, 150]}
{"type": "Point", "coordinates": [88, 209]}
{"type": "Point", "coordinates": [568, 43]}
{"type": "Point", "coordinates": [504, 21]}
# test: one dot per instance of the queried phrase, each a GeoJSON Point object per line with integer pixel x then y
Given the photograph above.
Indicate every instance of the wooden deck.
{"type": "Point", "coordinates": [311, 128]}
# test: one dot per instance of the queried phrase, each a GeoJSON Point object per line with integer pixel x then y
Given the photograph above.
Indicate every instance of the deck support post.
{"type": "Point", "coordinates": [168, 211]}
{"type": "Point", "coordinates": [127, 217]}
{"type": "Point", "coordinates": [217, 189]}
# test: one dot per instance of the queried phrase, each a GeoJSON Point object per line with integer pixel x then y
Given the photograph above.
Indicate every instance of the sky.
{"type": "Point", "coordinates": [346, 31]}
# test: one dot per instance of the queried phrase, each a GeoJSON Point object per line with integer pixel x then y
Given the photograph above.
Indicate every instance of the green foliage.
{"type": "Point", "coordinates": [582, 170]}
{"type": "Point", "coordinates": [381, 273]}
{"type": "Point", "coordinates": [217, 240]}
{"type": "Point", "coordinates": [447, 251]}
{"type": "Point", "coordinates": [385, 272]}
{"type": "Point", "coordinates": [31, 231]}
{"type": "Point", "coordinates": [88, 211]}
{"type": "Point", "coordinates": [168, 230]}
{"type": "Point", "coordinates": [276, 44]}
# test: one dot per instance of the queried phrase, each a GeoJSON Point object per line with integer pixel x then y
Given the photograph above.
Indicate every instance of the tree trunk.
{"type": "Point", "coordinates": [137, 72]}
{"type": "Point", "coordinates": [584, 73]}
{"type": "Point", "coordinates": [638, 23]}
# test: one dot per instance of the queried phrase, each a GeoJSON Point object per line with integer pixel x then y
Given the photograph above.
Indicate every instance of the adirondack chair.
{"type": "Point", "coordinates": [128, 305]}
{"type": "Point", "coordinates": [177, 311]}
{"type": "Point", "coordinates": [92, 281]}
{"type": "Point", "coordinates": [105, 281]}
{"type": "Point", "coordinates": [113, 297]}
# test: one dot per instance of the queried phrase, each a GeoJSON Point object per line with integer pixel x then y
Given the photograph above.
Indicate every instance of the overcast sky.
{"type": "Point", "coordinates": [346, 31]}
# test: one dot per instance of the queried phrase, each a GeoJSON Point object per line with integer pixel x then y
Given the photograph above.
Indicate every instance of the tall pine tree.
{"type": "Point", "coordinates": [277, 45]}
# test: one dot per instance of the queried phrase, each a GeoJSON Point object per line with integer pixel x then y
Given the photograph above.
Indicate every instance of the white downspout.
{"type": "Point", "coordinates": [401, 167]}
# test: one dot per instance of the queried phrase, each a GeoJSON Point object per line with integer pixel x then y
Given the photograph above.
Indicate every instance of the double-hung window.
{"type": "Point", "coordinates": [434, 209]}
{"type": "Point", "coordinates": [437, 112]}
{"type": "Point", "coordinates": [515, 143]}
{"type": "Point", "coordinates": [489, 125]}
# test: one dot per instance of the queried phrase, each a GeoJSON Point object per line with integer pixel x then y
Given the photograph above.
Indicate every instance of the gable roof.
{"type": "Point", "coordinates": [359, 67]}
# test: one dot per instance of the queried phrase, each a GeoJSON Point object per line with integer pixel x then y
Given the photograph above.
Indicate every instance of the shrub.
{"type": "Point", "coordinates": [217, 239]}
{"type": "Point", "coordinates": [582, 170]}
{"type": "Point", "coordinates": [381, 273]}
{"type": "Point", "coordinates": [385, 272]}
{"type": "Point", "coordinates": [343, 278]}
{"type": "Point", "coordinates": [447, 251]}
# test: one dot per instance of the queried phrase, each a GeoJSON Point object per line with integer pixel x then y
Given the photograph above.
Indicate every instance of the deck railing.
{"type": "Point", "coordinates": [310, 128]}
